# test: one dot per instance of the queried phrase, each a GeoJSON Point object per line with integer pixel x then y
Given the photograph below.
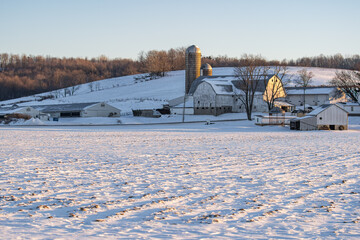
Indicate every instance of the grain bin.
{"type": "Point", "coordinates": [206, 70]}
{"type": "Point", "coordinates": [192, 65]}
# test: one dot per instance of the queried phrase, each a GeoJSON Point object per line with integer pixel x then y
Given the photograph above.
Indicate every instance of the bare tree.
{"type": "Point", "coordinates": [91, 86]}
{"type": "Point", "coordinates": [275, 90]}
{"type": "Point", "coordinates": [304, 80]}
{"type": "Point", "coordinates": [249, 73]}
{"type": "Point", "coordinates": [157, 63]}
{"type": "Point", "coordinates": [349, 83]}
{"type": "Point", "coordinates": [73, 89]}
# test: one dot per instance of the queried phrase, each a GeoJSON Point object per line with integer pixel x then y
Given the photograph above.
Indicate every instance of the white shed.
{"type": "Point", "coordinates": [305, 123]}
{"type": "Point", "coordinates": [330, 116]}
{"type": "Point", "coordinates": [30, 111]}
{"type": "Point", "coordinates": [176, 106]}
{"type": "Point", "coordinates": [101, 110]}
{"type": "Point", "coordinates": [273, 120]}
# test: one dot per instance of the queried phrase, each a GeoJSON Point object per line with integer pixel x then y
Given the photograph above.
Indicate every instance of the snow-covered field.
{"type": "Point", "coordinates": [228, 180]}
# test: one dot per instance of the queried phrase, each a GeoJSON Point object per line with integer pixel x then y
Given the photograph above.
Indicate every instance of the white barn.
{"type": "Point", "coordinates": [215, 95]}
{"type": "Point", "coordinates": [92, 109]}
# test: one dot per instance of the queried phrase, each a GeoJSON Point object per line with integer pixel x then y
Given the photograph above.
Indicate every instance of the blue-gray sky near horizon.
{"type": "Point", "coordinates": [276, 29]}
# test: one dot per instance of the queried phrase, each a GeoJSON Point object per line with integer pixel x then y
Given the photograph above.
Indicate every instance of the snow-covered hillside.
{"type": "Point", "coordinates": [126, 93]}
{"type": "Point", "coordinates": [191, 181]}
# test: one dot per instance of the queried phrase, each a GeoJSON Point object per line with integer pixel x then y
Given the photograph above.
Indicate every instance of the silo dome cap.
{"type": "Point", "coordinates": [206, 66]}
{"type": "Point", "coordinates": [193, 49]}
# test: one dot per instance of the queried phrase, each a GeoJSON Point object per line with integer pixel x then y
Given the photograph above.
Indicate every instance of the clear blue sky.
{"type": "Point", "coordinates": [276, 29]}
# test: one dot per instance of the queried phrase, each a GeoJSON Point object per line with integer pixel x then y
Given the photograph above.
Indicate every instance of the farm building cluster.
{"type": "Point", "coordinates": [55, 111]}
{"type": "Point", "coordinates": [206, 94]}
{"type": "Point", "coordinates": [320, 107]}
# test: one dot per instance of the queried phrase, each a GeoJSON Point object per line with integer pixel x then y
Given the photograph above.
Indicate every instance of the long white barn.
{"type": "Point", "coordinates": [92, 109]}
{"type": "Point", "coordinates": [314, 96]}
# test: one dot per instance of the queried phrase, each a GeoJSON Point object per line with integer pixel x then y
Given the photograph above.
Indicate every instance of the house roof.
{"type": "Point", "coordinates": [70, 107]}
{"type": "Point", "coordinates": [323, 108]}
{"type": "Point", "coordinates": [283, 104]}
{"type": "Point", "coordinates": [227, 84]}
{"type": "Point", "coordinates": [350, 104]}
{"type": "Point", "coordinates": [304, 117]}
{"type": "Point", "coordinates": [310, 90]}
{"type": "Point", "coordinates": [10, 110]}
{"type": "Point", "coordinates": [189, 103]}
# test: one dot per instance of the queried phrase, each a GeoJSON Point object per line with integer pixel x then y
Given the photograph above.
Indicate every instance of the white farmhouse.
{"type": "Point", "coordinates": [352, 108]}
{"type": "Point", "coordinates": [314, 96]}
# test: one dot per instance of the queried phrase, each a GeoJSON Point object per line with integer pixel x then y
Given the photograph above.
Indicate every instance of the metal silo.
{"type": "Point", "coordinates": [206, 70]}
{"type": "Point", "coordinates": [192, 65]}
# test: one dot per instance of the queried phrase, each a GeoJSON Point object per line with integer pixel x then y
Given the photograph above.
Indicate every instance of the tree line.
{"type": "Point", "coordinates": [22, 75]}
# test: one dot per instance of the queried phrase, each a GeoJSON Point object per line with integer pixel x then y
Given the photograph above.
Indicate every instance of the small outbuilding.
{"type": "Point", "coordinates": [153, 113]}
{"type": "Point", "coordinates": [29, 111]}
{"type": "Point", "coordinates": [331, 116]}
{"type": "Point", "coordinates": [325, 117]}
{"type": "Point", "coordinates": [305, 123]}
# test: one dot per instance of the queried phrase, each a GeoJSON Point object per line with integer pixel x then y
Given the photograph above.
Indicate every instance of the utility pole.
{"type": "Point", "coordinates": [183, 115]}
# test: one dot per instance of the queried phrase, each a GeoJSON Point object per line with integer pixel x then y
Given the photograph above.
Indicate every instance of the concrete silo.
{"type": "Point", "coordinates": [192, 65]}
{"type": "Point", "coordinates": [206, 70]}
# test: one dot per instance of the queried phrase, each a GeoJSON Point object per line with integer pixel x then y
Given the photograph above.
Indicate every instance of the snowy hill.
{"type": "Point", "coordinates": [127, 93]}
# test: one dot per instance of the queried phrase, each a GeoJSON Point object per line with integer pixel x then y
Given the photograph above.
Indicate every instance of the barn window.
{"type": "Point", "coordinates": [103, 104]}
{"type": "Point", "coordinates": [198, 102]}
{"type": "Point", "coordinates": [28, 109]}
{"type": "Point", "coordinates": [320, 118]}
{"type": "Point", "coordinates": [352, 109]}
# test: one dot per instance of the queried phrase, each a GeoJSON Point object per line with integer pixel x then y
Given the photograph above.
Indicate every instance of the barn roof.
{"type": "Point", "coordinates": [69, 107]}
{"type": "Point", "coordinates": [323, 108]}
{"type": "Point", "coordinates": [227, 84]}
{"type": "Point", "coordinates": [310, 90]}
{"type": "Point", "coordinates": [10, 110]}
